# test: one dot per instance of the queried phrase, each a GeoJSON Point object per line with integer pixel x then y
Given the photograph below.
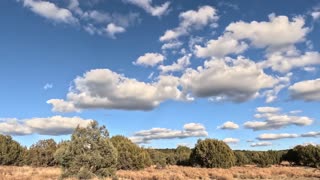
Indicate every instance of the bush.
{"type": "Point", "coordinates": [158, 158]}
{"type": "Point", "coordinates": [183, 155]}
{"type": "Point", "coordinates": [304, 155]}
{"type": "Point", "coordinates": [42, 153]}
{"type": "Point", "coordinates": [11, 152]}
{"type": "Point", "coordinates": [241, 158]}
{"type": "Point", "coordinates": [130, 156]}
{"type": "Point", "coordinates": [211, 153]}
{"type": "Point", "coordinates": [89, 153]}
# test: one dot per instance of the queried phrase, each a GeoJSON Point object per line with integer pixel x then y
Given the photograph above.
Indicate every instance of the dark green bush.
{"type": "Point", "coordinates": [89, 153]}
{"type": "Point", "coordinates": [41, 154]}
{"type": "Point", "coordinates": [304, 155]}
{"type": "Point", "coordinates": [11, 152]}
{"type": "Point", "coordinates": [130, 156]}
{"type": "Point", "coordinates": [212, 153]}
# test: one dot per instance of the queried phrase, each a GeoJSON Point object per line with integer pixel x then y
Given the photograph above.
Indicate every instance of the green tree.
{"type": "Point", "coordinates": [241, 158]}
{"type": "Point", "coordinates": [42, 153]}
{"type": "Point", "coordinates": [212, 153]}
{"type": "Point", "coordinates": [183, 155]}
{"type": "Point", "coordinates": [130, 156]}
{"type": "Point", "coordinates": [158, 158]}
{"type": "Point", "coordinates": [11, 152]}
{"type": "Point", "coordinates": [89, 153]}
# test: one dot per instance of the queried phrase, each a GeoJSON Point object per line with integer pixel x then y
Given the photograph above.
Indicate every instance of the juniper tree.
{"type": "Point", "coordinates": [212, 153]}
{"type": "Point", "coordinates": [89, 153]}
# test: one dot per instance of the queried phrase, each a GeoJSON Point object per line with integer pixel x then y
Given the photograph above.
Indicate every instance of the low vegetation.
{"type": "Point", "coordinates": [91, 153]}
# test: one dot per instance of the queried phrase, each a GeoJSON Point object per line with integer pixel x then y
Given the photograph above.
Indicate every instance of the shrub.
{"type": "Point", "coordinates": [158, 158]}
{"type": "Point", "coordinates": [42, 153]}
{"type": "Point", "coordinates": [241, 158]}
{"type": "Point", "coordinates": [183, 155]}
{"type": "Point", "coordinates": [130, 156]}
{"type": "Point", "coordinates": [89, 153]}
{"type": "Point", "coordinates": [212, 153]}
{"type": "Point", "coordinates": [304, 155]}
{"type": "Point", "coordinates": [11, 152]}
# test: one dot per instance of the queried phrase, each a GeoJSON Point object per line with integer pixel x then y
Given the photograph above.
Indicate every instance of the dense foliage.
{"type": "Point", "coordinates": [42, 153]}
{"type": "Point", "coordinates": [11, 153]}
{"type": "Point", "coordinates": [212, 153]}
{"type": "Point", "coordinates": [130, 156]}
{"type": "Point", "coordinates": [89, 153]}
{"type": "Point", "coordinates": [304, 155]}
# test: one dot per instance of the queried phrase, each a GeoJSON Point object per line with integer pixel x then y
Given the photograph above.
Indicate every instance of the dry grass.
{"type": "Point", "coordinates": [174, 173]}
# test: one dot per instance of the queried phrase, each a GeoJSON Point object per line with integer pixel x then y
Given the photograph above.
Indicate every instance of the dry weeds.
{"type": "Point", "coordinates": [174, 173]}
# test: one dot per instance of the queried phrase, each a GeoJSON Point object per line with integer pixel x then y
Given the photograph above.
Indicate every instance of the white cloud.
{"type": "Point", "coordinates": [229, 125]}
{"type": "Point", "coordinates": [55, 125]}
{"type": "Point", "coordinates": [50, 11]}
{"type": "Point", "coordinates": [171, 45]}
{"type": "Point", "coordinates": [48, 86]}
{"type": "Point", "coordinates": [189, 130]}
{"type": "Point", "coordinates": [192, 20]}
{"type": "Point", "coordinates": [272, 94]}
{"type": "Point", "coordinates": [311, 134]}
{"type": "Point", "coordinates": [113, 29]}
{"type": "Point", "coordinates": [147, 6]}
{"type": "Point", "coordinates": [267, 109]}
{"type": "Point", "coordinates": [310, 69]}
{"type": "Point", "coordinates": [283, 31]}
{"type": "Point", "coordinates": [262, 143]}
{"type": "Point", "coordinates": [105, 89]}
{"type": "Point", "coordinates": [150, 59]}
{"type": "Point", "coordinates": [231, 140]}
{"type": "Point", "coordinates": [277, 136]}
{"type": "Point", "coordinates": [283, 63]}
{"type": "Point", "coordinates": [235, 80]}
{"type": "Point", "coordinates": [221, 47]}
{"type": "Point", "coordinates": [273, 119]}
{"type": "Point", "coordinates": [181, 64]}
{"type": "Point", "coordinates": [308, 90]}
{"type": "Point", "coordinates": [315, 15]}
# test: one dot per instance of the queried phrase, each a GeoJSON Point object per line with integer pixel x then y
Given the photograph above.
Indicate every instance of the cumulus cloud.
{"type": "Point", "coordinates": [189, 130]}
{"type": "Point", "coordinates": [147, 6]}
{"type": "Point", "coordinates": [308, 90]}
{"type": "Point", "coordinates": [113, 29]}
{"type": "Point", "coordinates": [229, 125]}
{"type": "Point", "coordinates": [55, 125]}
{"type": "Point", "coordinates": [50, 11]}
{"type": "Point", "coordinates": [192, 20]}
{"type": "Point", "coordinates": [105, 89]}
{"type": "Point", "coordinates": [277, 136]}
{"type": "Point", "coordinates": [181, 64]}
{"type": "Point", "coordinates": [273, 119]}
{"type": "Point", "coordinates": [231, 140]}
{"type": "Point", "coordinates": [236, 80]}
{"type": "Point", "coordinates": [221, 47]}
{"type": "Point", "coordinates": [272, 94]}
{"type": "Point", "coordinates": [150, 59]}
{"type": "Point", "coordinates": [284, 32]}
{"type": "Point", "coordinates": [283, 63]}
{"type": "Point", "coordinates": [262, 143]}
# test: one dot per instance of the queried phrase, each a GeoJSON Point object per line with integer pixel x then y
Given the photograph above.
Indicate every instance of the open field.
{"type": "Point", "coordinates": [174, 172]}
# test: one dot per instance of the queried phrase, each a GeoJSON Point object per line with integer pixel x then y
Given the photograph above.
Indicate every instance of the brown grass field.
{"type": "Point", "coordinates": [174, 173]}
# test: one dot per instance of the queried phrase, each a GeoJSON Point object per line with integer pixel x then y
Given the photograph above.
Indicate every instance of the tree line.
{"type": "Point", "coordinates": [92, 153]}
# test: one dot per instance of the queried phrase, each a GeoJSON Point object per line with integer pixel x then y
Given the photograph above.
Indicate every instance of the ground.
{"type": "Point", "coordinates": [174, 173]}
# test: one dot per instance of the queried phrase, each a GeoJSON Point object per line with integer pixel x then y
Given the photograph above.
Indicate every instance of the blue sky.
{"type": "Point", "coordinates": [163, 73]}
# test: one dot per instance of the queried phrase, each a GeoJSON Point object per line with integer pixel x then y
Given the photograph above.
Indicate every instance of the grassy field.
{"type": "Point", "coordinates": [174, 172]}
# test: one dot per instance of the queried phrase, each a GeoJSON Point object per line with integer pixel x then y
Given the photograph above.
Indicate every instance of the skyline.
{"type": "Point", "coordinates": [162, 73]}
